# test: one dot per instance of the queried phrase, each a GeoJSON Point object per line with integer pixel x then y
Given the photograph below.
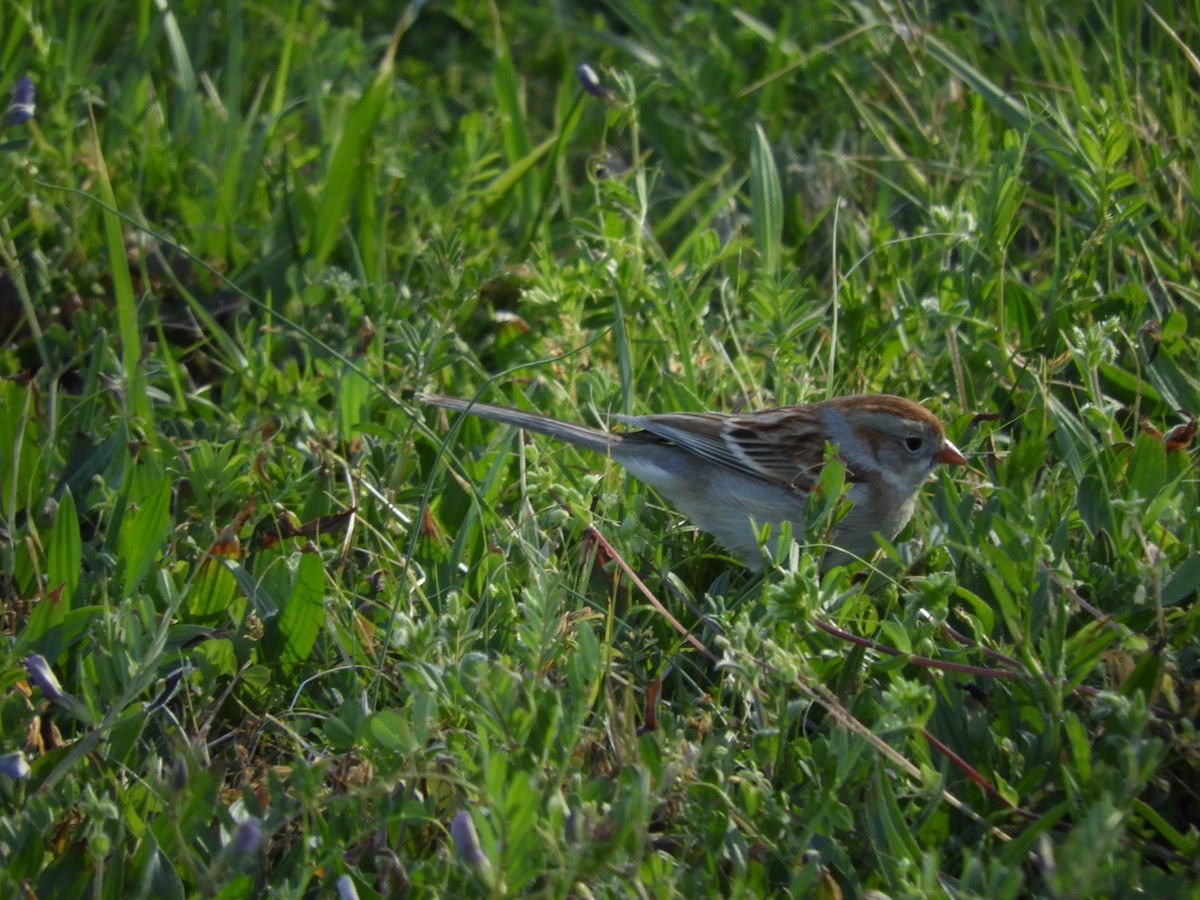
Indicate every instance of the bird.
{"type": "Point", "coordinates": [732, 473]}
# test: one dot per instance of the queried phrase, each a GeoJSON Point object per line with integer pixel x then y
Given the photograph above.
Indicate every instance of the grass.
{"type": "Point", "coordinates": [272, 629]}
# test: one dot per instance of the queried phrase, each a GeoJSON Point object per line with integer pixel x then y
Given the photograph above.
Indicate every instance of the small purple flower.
{"type": "Point", "coordinates": [15, 766]}
{"type": "Point", "coordinates": [345, 888]}
{"type": "Point", "coordinates": [466, 841]}
{"type": "Point", "coordinates": [42, 675]}
{"type": "Point", "coordinates": [21, 109]}
{"type": "Point", "coordinates": [248, 836]}
{"type": "Point", "coordinates": [590, 81]}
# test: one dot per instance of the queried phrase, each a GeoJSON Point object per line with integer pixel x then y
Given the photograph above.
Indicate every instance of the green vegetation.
{"type": "Point", "coordinates": [270, 628]}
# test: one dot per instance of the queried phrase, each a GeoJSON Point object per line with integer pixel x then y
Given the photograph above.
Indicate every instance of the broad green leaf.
{"type": "Point", "coordinates": [1095, 504]}
{"type": "Point", "coordinates": [1183, 582]}
{"type": "Point", "coordinates": [22, 462]}
{"type": "Point", "coordinates": [303, 614]}
{"type": "Point", "coordinates": [216, 659]}
{"type": "Point", "coordinates": [63, 556]}
{"type": "Point", "coordinates": [424, 715]}
{"type": "Point", "coordinates": [144, 531]}
{"type": "Point", "coordinates": [1146, 677]}
{"type": "Point", "coordinates": [1147, 471]}
{"type": "Point", "coordinates": [258, 676]}
{"type": "Point", "coordinates": [389, 730]}
{"type": "Point", "coordinates": [255, 591]}
{"type": "Point", "coordinates": [1173, 327]}
{"type": "Point", "coordinates": [47, 615]}
{"type": "Point", "coordinates": [354, 392]}
{"type": "Point", "coordinates": [124, 737]}
{"type": "Point", "coordinates": [1128, 387]}
{"type": "Point", "coordinates": [213, 592]}
{"type": "Point", "coordinates": [152, 874]}
{"type": "Point", "coordinates": [979, 608]}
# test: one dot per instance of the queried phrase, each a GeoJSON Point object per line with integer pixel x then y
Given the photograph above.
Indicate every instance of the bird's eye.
{"type": "Point", "coordinates": [914, 444]}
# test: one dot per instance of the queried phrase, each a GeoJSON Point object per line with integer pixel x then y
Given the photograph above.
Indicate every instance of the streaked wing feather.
{"type": "Point", "coordinates": [699, 433]}
{"type": "Point", "coordinates": [776, 445]}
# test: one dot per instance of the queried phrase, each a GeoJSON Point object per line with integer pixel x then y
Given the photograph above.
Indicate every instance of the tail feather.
{"type": "Point", "coordinates": [580, 435]}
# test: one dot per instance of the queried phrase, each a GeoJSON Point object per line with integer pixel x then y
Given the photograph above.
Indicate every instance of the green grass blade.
{"type": "Point", "coordinates": [766, 198]}
{"type": "Point", "coordinates": [136, 399]}
{"type": "Point", "coordinates": [350, 156]}
{"type": "Point", "coordinates": [518, 146]}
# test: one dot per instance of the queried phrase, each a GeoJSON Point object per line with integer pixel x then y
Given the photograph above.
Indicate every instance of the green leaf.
{"type": "Point", "coordinates": [424, 715]}
{"type": "Point", "coordinates": [257, 675]}
{"type": "Point", "coordinates": [583, 666]}
{"type": "Point", "coordinates": [22, 460]}
{"type": "Point", "coordinates": [303, 614]}
{"type": "Point", "coordinates": [887, 826]}
{"type": "Point", "coordinates": [354, 392]}
{"type": "Point", "coordinates": [63, 556]}
{"type": "Point", "coordinates": [154, 873]}
{"type": "Point", "coordinates": [214, 590]}
{"type": "Point", "coordinates": [1127, 386]}
{"type": "Point", "coordinates": [1074, 440]}
{"type": "Point", "coordinates": [1147, 471]}
{"type": "Point", "coordinates": [254, 589]}
{"type": "Point", "coordinates": [179, 52]}
{"type": "Point", "coordinates": [895, 634]}
{"type": "Point", "coordinates": [144, 530]}
{"type": "Point", "coordinates": [1095, 504]}
{"type": "Point", "coordinates": [1116, 145]}
{"type": "Point", "coordinates": [517, 170]}
{"type": "Point", "coordinates": [1146, 676]}
{"type": "Point", "coordinates": [1183, 582]}
{"type": "Point", "coordinates": [979, 607]}
{"type": "Point", "coordinates": [1174, 327]}
{"type": "Point", "coordinates": [388, 730]}
{"type": "Point", "coordinates": [46, 616]}
{"type": "Point", "coordinates": [124, 736]}
{"type": "Point", "coordinates": [240, 887]}
{"type": "Point", "coordinates": [1081, 747]}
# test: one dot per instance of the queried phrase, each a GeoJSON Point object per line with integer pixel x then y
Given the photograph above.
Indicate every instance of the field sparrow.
{"type": "Point", "coordinates": [724, 471]}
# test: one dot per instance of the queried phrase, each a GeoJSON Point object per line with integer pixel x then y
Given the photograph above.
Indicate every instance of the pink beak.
{"type": "Point", "coordinates": [950, 455]}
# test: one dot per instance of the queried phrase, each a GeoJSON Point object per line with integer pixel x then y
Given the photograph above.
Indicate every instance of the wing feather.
{"type": "Point", "coordinates": [783, 446]}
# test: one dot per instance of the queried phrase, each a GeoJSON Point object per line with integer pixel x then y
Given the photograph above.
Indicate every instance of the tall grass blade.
{"type": "Point", "coordinates": [350, 156]}
{"type": "Point", "coordinates": [766, 197]}
{"type": "Point", "coordinates": [136, 399]}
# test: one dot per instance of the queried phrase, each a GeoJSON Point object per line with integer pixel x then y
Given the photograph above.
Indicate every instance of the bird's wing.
{"type": "Point", "coordinates": [784, 446]}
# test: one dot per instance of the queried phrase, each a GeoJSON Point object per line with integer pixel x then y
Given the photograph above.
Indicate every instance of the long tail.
{"type": "Point", "coordinates": [580, 435]}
